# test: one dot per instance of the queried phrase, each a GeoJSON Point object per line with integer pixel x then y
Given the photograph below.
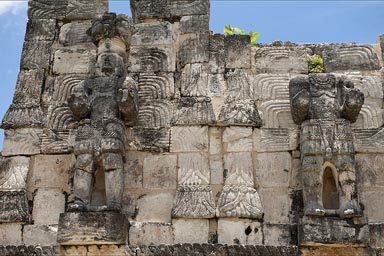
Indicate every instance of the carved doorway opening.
{"type": "Point", "coordinates": [330, 191]}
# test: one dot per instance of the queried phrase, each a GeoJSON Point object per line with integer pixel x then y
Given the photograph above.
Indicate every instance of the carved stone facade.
{"type": "Point", "coordinates": [166, 139]}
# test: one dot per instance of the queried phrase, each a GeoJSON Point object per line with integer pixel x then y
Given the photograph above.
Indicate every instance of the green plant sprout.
{"type": "Point", "coordinates": [315, 64]}
{"type": "Point", "coordinates": [229, 30]}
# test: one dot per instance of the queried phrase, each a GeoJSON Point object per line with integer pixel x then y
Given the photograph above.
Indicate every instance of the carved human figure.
{"type": "Point", "coordinates": [325, 106]}
{"type": "Point", "coordinates": [102, 104]}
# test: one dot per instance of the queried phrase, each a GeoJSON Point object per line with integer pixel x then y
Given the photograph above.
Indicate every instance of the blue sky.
{"type": "Point", "coordinates": [295, 21]}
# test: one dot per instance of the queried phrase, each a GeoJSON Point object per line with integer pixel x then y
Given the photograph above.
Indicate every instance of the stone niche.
{"type": "Point", "coordinates": [152, 136]}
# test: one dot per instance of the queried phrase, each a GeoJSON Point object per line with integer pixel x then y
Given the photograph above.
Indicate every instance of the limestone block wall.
{"type": "Point", "coordinates": [214, 118]}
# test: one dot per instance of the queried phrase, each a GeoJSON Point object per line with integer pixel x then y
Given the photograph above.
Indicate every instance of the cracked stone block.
{"type": "Point", "coordinates": [277, 205]}
{"type": "Point", "coordinates": [273, 169]}
{"type": "Point", "coordinates": [41, 29]}
{"type": "Point", "coordinates": [67, 61]}
{"type": "Point", "coordinates": [374, 209]}
{"type": "Point", "coordinates": [191, 230]}
{"type": "Point", "coordinates": [216, 53]}
{"type": "Point", "coordinates": [142, 10]}
{"type": "Point", "coordinates": [155, 207]}
{"type": "Point", "coordinates": [11, 234]}
{"type": "Point", "coordinates": [150, 233]}
{"type": "Point", "coordinates": [376, 235]}
{"type": "Point", "coordinates": [235, 46]}
{"type": "Point", "coordinates": [44, 235]}
{"type": "Point", "coordinates": [51, 171]}
{"type": "Point", "coordinates": [133, 169]}
{"type": "Point", "coordinates": [194, 24]}
{"type": "Point", "coordinates": [47, 206]}
{"type": "Point", "coordinates": [276, 235]}
{"type": "Point", "coordinates": [94, 228]}
{"type": "Point", "coordinates": [194, 48]}
{"type": "Point", "coordinates": [159, 171]}
{"type": "Point", "coordinates": [369, 168]}
{"type": "Point", "coordinates": [328, 230]}
{"type": "Point", "coordinates": [240, 231]}
{"type": "Point", "coordinates": [29, 87]}
{"type": "Point", "coordinates": [189, 7]}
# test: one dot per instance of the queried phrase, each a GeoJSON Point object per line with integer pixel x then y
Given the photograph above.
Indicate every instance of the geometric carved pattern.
{"type": "Point", "coordinates": [56, 141]}
{"type": "Point", "coordinates": [271, 87]}
{"type": "Point", "coordinates": [43, 9]}
{"type": "Point", "coordinates": [159, 86]}
{"type": "Point", "coordinates": [22, 115]}
{"type": "Point", "coordinates": [276, 139]}
{"type": "Point", "coordinates": [277, 114]}
{"type": "Point", "coordinates": [193, 110]}
{"type": "Point", "coordinates": [60, 117]}
{"type": "Point", "coordinates": [155, 113]}
{"type": "Point", "coordinates": [351, 57]}
{"type": "Point", "coordinates": [369, 140]}
{"type": "Point", "coordinates": [370, 116]}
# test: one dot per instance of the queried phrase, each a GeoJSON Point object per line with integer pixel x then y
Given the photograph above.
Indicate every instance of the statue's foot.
{"type": "Point", "coordinates": [114, 207]}
{"type": "Point", "coordinates": [315, 210]}
{"type": "Point", "coordinates": [350, 210]}
{"type": "Point", "coordinates": [77, 206]}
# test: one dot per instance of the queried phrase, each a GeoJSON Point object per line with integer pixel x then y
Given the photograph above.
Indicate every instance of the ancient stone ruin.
{"type": "Point", "coordinates": [151, 135]}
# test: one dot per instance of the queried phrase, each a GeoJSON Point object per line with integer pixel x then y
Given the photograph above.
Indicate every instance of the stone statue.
{"type": "Point", "coordinates": [325, 106]}
{"type": "Point", "coordinates": [102, 104]}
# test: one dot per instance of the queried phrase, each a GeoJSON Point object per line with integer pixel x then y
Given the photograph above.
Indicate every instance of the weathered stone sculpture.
{"type": "Point", "coordinates": [325, 106]}
{"type": "Point", "coordinates": [105, 99]}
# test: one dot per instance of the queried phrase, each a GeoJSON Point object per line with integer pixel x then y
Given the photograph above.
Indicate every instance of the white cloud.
{"type": "Point", "coordinates": [15, 7]}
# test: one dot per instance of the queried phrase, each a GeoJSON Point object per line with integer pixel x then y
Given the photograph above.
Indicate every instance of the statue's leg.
{"type": "Point", "coordinates": [311, 174]}
{"type": "Point", "coordinates": [82, 182]}
{"type": "Point", "coordinates": [114, 179]}
{"type": "Point", "coordinates": [349, 206]}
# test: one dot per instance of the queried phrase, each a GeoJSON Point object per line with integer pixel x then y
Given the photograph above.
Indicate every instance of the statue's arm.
{"type": "Point", "coordinates": [353, 101]}
{"type": "Point", "coordinates": [299, 98]}
{"type": "Point", "coordinates": [78, 102]}
{"type": "Point", "coordinates": [127, 98]}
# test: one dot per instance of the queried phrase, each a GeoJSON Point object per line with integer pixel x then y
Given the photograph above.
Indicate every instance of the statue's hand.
{"type": "Point", "coordinates": [78, 105]}
{"type": "Point", "coordinates": [123, 95]}
{"type": "Point", "coordinates": [354, 99]}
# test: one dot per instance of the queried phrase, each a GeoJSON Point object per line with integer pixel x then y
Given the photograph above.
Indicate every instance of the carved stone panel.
{"type": "Point", "coordinates": [35, 54]}
{"type": "Point", "coordinates": [350, 57]}
{"type": "Point", "coordinates": [152, 59]}
{"type": "Point", "coordinates": [281, 60]}
{"type": "Point", "coordinates": [154, 33]}
{"type": "Point", "coordinates": [85, 9]}
{"type": "Point", "coordinates": [194, 48]}
{"type": "Point", "coordinates": [189, 139]}
{"type": "Point", "coordinates": [369, 140]}
{"type": "Point", "coordinates": [21, 142]}
{"type": "Point", "coordinates": [28, 87]}
{"type": "Point", "coordinates": [75, 33]}
{"type": "Point", "coordinates": [41, 29]}
{"type": "Point", "coordinates": [155, 113]}
{"type": "Point", "coordinates": [22, 115]}
{"type": "Point", "coordinates": [69, 61]}
{"type": "Point", "coordinates": [239, 198]}
{"type": "Point", "coordinates": [189, 7]}
{"type": "Point", "coordinates": [194, 198]}
{"type": "Point", "coordinates": [275, 139]}
{"type": "Point", "coordinates": [156, 86]}
{"type": "Point", "coordinates": [240, 112]}
{"type": "Point", "coordinates": [193, 111]}
{"type": "Point", "coordinates": [47, 9]}
{"type": "Point", "coordinates": [13, 195]}
{"type": "Point", "coordinates": [194, 80]}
